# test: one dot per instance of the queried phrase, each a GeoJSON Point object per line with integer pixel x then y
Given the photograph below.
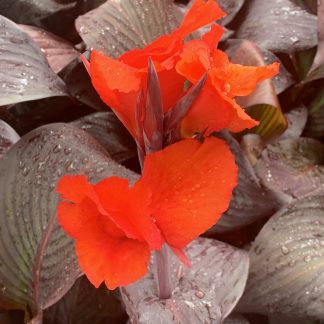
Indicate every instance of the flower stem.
{"type": "Point", "coordinates": [163, 273]}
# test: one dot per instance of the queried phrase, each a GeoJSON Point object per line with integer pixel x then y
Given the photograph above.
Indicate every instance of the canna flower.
{"type": "Point", "coordinates": [119, 81]}
{"type": "Point", "coordinates": [116, 226]}
{"type": "Point", "coordinates": [215, 108]}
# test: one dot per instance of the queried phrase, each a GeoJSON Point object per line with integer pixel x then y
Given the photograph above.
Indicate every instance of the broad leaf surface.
{"type": "Point", "coordinates": [205, 293]}
{"type": "Point", "coordinates": [250, 201]}
{"type": "Point", "coordinates": [8, 137]}
{"type": "Point", "coordinates": [38, 262]}
{"type": "Point", "coordinates": [293, 167]}
{"type": "Point", "coordinates": [110, 133]}
{"type": "Point", "coordinates": [24, 71]}
{"type": "Point", "coordinates": [84, 304]}
{"type": "Point", "coordinates": [279, 26]}
{"type": "Point", "coordinates": [31, 11]}
{"type": "Point", "coordinates": [287, 266]}
{"type": "Point", "coordinates": [57, 51]}
{"type": "Point", "coordinates": [120, 25]}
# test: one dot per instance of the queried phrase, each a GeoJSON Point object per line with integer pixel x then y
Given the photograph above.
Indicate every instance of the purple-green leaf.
{"type": "Point", "coordinates": [24, 71]}
{"type": "Point", "coordinates": [292, 167]}
{"type": "Point", "coordinates": [106, 128]}
{"type": "Point", "coordinates": [250, 201]}
{"type": "Point", "coordinates": [121, 25]}
{"type": "Point", "coordinates": [38, 261]}
{"type": "Point", "coordinates": [279, 26]}
{"type": "Point", "coordinates": [31, 11]}
{"type": "Point", "coordinates": [8, 137]}
{"type": "Point", "coordinates": [57, 51]}
{"type": "Point", "coordinates": [287, 263]}
{"type": "Point", "coordinates": [84, 304]}
{"type": "Point", "coordinates": [205, 293]}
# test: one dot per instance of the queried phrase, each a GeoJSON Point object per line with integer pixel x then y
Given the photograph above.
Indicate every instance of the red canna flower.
{"type": "Point", "coordinates": [118, 81]}
{"type": "Point", "coordinates": [215, 108]}
{"type": "Point", "coordinates": [116, 226]}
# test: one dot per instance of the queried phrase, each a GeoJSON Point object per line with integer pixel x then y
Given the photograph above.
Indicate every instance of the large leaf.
{"type": "Point", "coordinates": [250, 201]}
{"type": "Point", "coordinates": [120, 25]}
{"type": "Point", "coordinates": [30, 11]}
{"type": "Point", "coordinates": [317, 68]}
{"type": "Point", "coordinates": [85, 304]}
{"type": "Point", "coordinates": [82, 90]}
{"type": "Point", "coordinates": [110, 133]}
{"type": "Point", "coordinates": [292, 167]}
{"type": "Point", "coordinates": [287, 263]}
{"type": "Point", "coordinates": [8, 137]}
{"type": "Point", "coordinates": [38, 262]}
{"type": "Point", "coordinates": [279, 26]}
{"type": "Point", "coordinates": [57, 51]}
{"type": "Point", "coordinates": [297, 119]}
{"type": "Point", "coordinates": [315, 122]}
{"type": "Point", "coordinates": [205, 293]}
{"type": "Point", "coordinates": [24, 72]}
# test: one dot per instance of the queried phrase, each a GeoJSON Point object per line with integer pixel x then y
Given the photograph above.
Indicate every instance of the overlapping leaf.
{"type": "Point", "coordinates": [250, 201]}
{"type": "Point", "coordinates": [207, 292]}
{"type": "Point", "coordinates": [57, 51]}
{"type": "Point", "coordinates": [121, 25]}
{"type": "Point", "coordinates": [30, 11]}
{"type": "Point", "coordinates": [38, 262]}
{"type": "Point", "coordinates": [8, 137]}
{"type": "Point", "coordinates": [293, 167]}
{"type": "Point", "coordinates": [24, 72]}
{"type": "Point", "coordinates": [279, 26]}
{"type": "Point", "coordinates": [287, 263]}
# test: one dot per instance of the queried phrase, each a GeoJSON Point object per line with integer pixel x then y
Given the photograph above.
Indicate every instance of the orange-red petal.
{"type": "Point", "coordinates": [192, 183]}
{"type": "Point", "coordinates": [212, 37]}
{"type": "Point", "coordinates": [128, 208]}
{"type": "Point", "coordinates": [104, 252]}
{"type": "Point", "coordinates": [201, 13]}
{"type": "Point", "coordinates": [117, 261]}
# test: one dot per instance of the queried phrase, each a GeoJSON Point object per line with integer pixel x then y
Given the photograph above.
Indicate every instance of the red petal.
{"type": "Point", "coordinates": [128, 208]}
{"type": "Point", "coordinates": [104, 252]}
{"type": "Point", "coordinates": [117, 261]}
{"type": "Point", "coordinates": [213, 37]}
{"type": "Point", "coordinates": [75, 188]}
{"type": "Point", "coordinates": [192, 184]}
{"type": "Point", "coordinates": [195, 60]}
{"type": "Point", "coordinates": [118, 86]}
{"type": "Point", "coordinates": [208, 113]}
{"type": "Point", "coordinates": [201, 13]}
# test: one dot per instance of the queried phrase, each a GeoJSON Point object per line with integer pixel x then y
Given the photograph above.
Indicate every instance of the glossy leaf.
{"type": "Point", "coordinates": [38, 262]}
{"type": "Point", "coordinates": [24, 72]}
{"type": "Point", "coordinates": [287, 269]}
{"type": "Point", "coordinates": [82, 90]}
{"type": "Point", "coordinates": [293, 167]}
{"type": "Point", "coordinates": [8, 137]}
{"type": "Point", "coordinates": [120, 25]}
{"type": "Point", "coordinates": [279, 26]}
{"type": "Point", "coordinates": [315, 122]}
{"type": "Point", "coordinates": [31, 11]}
{"type": "Point", "coordinates": [207, 292]}
{"type": "Point", "coordinates": [84, 304]}
{"type": "Point", "coordinates": [57, 51]}
{"type": "Point", "coordinates": [250, 201]}
{"type": "Point", "coordinates": [296, 119]}
{"type": "Point", "coordinates": [106, 128]}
